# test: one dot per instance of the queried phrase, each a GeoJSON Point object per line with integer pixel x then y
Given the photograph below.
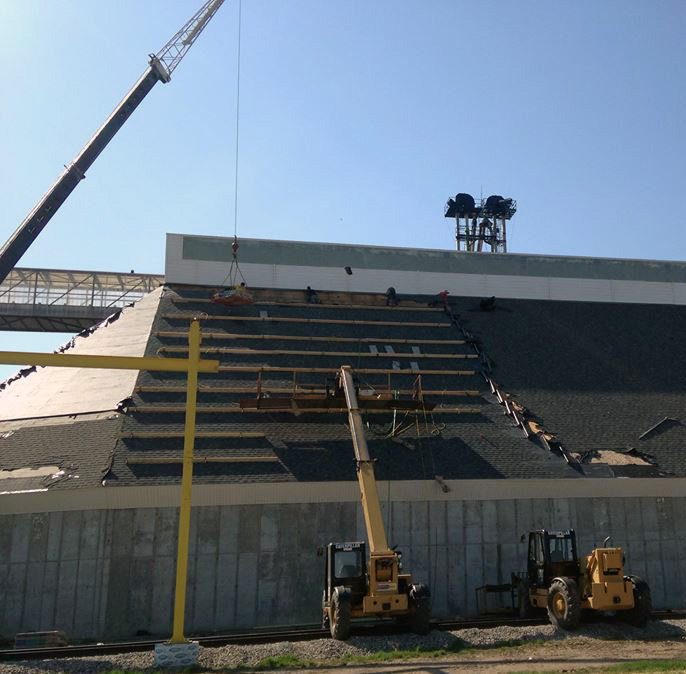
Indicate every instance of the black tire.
{"type": "Point", "coordinates": [340, 617]}
{"type": "Point", "coordinates": [421, 618]}
{"type": "Point", "coordinates": [325, 612]}
{"type": "Point", "coordinates": [639, 615]}
{"type": "Point", "coordinates": [564, 605]}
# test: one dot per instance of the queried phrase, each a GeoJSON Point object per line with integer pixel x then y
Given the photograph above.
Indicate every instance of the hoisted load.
{"type": "Point", "coordinates": [235, 294]}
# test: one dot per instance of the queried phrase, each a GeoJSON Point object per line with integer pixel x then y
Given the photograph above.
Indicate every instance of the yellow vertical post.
{"type": "Point", "coordinates": [186, 483]}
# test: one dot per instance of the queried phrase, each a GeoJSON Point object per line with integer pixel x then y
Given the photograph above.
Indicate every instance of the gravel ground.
{"type": "Point", "coordinates": [213, 659]}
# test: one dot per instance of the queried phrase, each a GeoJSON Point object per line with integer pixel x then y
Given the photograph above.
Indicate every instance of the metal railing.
{"type": "Point", "coordinates": [75, 288]}
{"type": "Point", "coordinates": [59, 300]}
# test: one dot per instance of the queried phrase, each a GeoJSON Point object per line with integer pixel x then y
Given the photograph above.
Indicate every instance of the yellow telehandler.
{"type": "Point", "coordinates": [357, 585]}
{"type": "Point", "coordinates": [564, 584]}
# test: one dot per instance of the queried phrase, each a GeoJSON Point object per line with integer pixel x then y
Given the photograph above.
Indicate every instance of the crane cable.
{"type": "Point", "coordinates": [238, 108]}
{"type": "Point", "coordinates": [234, 269]}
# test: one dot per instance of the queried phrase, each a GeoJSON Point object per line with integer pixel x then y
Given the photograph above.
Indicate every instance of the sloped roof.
{"type": "Point", "coordinates": [49, 391]}
{"type": "Point", "coordinates": [77, 452]}
{"type": "Point", "coordinates": [467, 436]}
{"type": "Point", "coordinates": [598, 375]}
{"type": "Point", "coordinates": [605, 380]}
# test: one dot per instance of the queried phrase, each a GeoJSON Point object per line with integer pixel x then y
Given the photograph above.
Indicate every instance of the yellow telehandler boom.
{"type": "Point", "coordinates": [357, 587]}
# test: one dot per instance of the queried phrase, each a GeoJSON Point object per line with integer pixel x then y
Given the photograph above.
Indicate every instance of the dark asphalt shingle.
{"type": "Point", "coordinates": [597, 375]}
{"type": "Point", "coordinates": [317, 447]}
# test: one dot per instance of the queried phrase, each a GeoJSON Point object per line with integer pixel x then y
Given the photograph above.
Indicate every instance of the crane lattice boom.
{"type": "Point", "coordinates": [171, 54]}
{"type": "Point", "coordinates": [161, 65]}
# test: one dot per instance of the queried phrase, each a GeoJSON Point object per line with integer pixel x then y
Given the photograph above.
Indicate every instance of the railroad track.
{"type": "Point", "coordinates": [305, 633]}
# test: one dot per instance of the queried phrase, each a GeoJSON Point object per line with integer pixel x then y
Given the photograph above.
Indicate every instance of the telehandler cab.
{"type": "Point", "coordinates": [357, 585]}
{"type": "Point", "coordinates": [558, 580]}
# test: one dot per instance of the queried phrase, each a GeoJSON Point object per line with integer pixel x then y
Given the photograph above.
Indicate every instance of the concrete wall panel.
{"type": "Point", "coordinates": [110, 574]}
{"type": "Point", "coordinates": [49, 595]}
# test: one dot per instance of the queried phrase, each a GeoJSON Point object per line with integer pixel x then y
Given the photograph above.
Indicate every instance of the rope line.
{"type": "Point", "coordinates": [238, 108]}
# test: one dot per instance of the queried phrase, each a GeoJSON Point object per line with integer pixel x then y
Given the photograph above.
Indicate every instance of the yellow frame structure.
{"type": "Point", "coordinates": [192, 366]}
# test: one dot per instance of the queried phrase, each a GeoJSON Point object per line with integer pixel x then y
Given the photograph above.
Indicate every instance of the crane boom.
{"type": "Point", "coordinates": [371, 506]}
{"type": "Point", "coordinates": [160, 68]}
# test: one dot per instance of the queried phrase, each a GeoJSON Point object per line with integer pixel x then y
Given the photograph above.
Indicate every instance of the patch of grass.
{"type": "Point", "coordinates": [283, 662]}
{"type": "Point", "coordinates": [649, 666]}
{"type": "Point", "coordinates": [645, 666]}
{"type": "Point", "coordinates": [293, 661]}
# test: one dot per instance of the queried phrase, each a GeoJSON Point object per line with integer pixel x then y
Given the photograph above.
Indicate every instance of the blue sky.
{"type": "Point", "coordinates": [358, 120]}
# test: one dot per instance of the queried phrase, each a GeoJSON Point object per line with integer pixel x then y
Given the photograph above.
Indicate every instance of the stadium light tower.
{"type": "Point", "coordinates": [480, 225]}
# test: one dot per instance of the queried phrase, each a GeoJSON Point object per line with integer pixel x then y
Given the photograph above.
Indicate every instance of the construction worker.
{"type": "Point", "coordinates": [391, 299]}
{"type": "Point", "coordinates": [312, 297]}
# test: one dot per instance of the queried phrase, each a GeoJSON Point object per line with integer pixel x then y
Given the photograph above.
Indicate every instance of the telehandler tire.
{"type": "Point", "coordinates": [421, 618]}
{"type": "Point", "coordinates": [564, 605]}
{"type": "Point", "coordinates": [639, 615]}
{"type": "Point", "coordinates": [420, 601]}
{"type": "Point", "coordinates": [340, 618]}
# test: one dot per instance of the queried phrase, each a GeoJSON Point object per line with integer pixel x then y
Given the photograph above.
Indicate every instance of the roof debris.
{"type": "Point", "coordinates": [660, 427]}
{"type": "Point", "coordinates": [616, 457]}
{"type": "Point", "coordinates": [40, 471]}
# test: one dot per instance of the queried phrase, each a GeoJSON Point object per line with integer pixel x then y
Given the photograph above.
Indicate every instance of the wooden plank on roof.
{"type": "Point", "coordinates": [199, 434]}
{"type": "Point", "coordinates": [295, 352]}
{"type": "Point", "coordinates": [152, 460]}
{"type": "Point", "coordinates": [283, 319]}
{"type": "Point", "coordinates": [223, 409]}
{"type": "Point", "coordinates": [333, 370]}
{"type": "Point", "coordinates": [309, 338]}
{"type": "Point", "coordinates": [271, 390]}
{"type": "Point", "coordinates": [379, 307]}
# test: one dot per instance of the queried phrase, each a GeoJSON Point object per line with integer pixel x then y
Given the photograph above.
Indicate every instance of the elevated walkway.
{"type": "Point", "coordinates": [56, 300]}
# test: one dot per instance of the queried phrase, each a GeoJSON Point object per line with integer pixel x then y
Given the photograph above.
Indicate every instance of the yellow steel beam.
{"type": "Point", "coordinates": [192, 366]}
{"type": "Point", "coordinates": [186, 484]}
{"type": "Point", "coordinates": [153, 363]}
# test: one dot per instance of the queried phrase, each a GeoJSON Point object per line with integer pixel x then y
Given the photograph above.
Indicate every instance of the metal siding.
{"type": "Point", "coordinates": [589, 290]}
{"type": "Point", "coordinates": [642, 292]}
{"type": "Point", "coordinates": [517, 286]}
{"type": "Point", "coordinates": [299, 253]}
{"type": "Point", "coordinates": [521, 287]}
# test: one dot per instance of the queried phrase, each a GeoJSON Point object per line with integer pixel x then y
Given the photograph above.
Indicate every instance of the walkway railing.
{"type": "Point", "coordinates": [76, 288]}
{"type": "Point", "coordinates": [67, 300]}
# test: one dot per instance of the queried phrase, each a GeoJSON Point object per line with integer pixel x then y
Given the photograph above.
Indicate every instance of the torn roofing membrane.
{"type": "Point", "coordinates": [53, 391]}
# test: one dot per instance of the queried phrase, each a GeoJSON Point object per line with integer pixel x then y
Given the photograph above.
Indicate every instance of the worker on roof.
{"type": "Point", "coordinates": [443, 295]}
{"type": "Point", "coordinates": [312, 297]}
{"type": "Point", "coordinates": [234, 295]}
{"type": "Point", "coordinates": [391, 299]}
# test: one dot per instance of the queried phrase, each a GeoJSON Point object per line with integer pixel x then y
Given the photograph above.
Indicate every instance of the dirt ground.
{"type": "Point", "coordinates": [572, 655]}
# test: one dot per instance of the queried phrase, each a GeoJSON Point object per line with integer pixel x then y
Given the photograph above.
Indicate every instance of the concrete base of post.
{"type": "Point", "coordinates": [176, 655]}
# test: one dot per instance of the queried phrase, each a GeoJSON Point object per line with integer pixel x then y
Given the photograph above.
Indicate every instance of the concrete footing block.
{"type": "Point", "coordinates": [176, 655]}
